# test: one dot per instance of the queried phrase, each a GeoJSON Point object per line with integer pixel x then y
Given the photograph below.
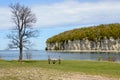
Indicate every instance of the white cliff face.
{"type": "Point", "coordinates": [85, 44]}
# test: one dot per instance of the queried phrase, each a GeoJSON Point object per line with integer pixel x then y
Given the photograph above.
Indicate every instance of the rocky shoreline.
{"type": "Point", "coordinates": [115, 51]}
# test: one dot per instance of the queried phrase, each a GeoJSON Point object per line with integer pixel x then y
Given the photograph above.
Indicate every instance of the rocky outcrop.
{"type": "Point", "coordinates": [85, 44]}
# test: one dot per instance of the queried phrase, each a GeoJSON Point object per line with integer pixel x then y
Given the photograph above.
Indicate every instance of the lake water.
{"type": "Point", "coordinates": [43, 55]}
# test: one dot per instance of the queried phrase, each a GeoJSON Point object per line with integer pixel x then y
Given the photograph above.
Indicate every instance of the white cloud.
{"type": "Point", "coordinates": [70, 12]}
{"type": "Point", "coordinates": [5, 18]}
{"type": "Point", "coordinates": [74, 12]}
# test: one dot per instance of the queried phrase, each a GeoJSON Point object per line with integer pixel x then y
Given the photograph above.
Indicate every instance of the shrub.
{"type": "Point", "coordinates": [56, 48]}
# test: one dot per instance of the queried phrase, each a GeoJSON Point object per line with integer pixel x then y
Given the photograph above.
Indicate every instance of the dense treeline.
{"type": "Point", "coordinates": [92, 33]}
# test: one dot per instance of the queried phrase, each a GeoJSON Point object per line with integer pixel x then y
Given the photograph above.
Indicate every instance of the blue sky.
{"type": "Point", "coordinates": [56, 16]}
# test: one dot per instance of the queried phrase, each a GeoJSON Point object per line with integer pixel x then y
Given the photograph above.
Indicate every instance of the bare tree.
{"type": "Point", "coordinates": [23, 18]}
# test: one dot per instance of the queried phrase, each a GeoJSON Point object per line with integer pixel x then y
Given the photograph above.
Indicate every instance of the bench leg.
{"type": "Point", "coordinates": [53, 61]}
{"type": "Point", "coordinates": [59, 61]}
{"type": "Point", "coordinates": [48, 61]}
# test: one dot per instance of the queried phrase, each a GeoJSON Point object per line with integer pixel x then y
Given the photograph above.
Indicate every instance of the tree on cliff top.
{"type": "Point", "coordinates": [93, 33]}
{"type": "Point", "coordinates": [23, 18]}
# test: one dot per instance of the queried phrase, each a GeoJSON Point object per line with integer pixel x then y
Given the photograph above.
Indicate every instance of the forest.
{"type": "Point", "coordinates": [92, 33]}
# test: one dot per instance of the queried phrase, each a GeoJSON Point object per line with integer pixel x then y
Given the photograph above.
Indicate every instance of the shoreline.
{"type": "Point", "coordinates": [116, 51]}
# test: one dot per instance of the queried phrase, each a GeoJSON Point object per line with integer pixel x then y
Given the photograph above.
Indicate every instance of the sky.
{"type": "Point", "coordinates": [56, 16]}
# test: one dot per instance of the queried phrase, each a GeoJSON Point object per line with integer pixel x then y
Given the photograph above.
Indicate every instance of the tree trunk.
{"type": "Point", "coordinates": [20, 49]}
{"type": "Point", "coordinates": [20, 54]}
{"type": "Point", "coordinates": [20, 46]}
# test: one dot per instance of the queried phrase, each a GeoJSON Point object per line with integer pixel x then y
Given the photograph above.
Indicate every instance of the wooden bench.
{"type": "Point", "coordinates": [54, 60]}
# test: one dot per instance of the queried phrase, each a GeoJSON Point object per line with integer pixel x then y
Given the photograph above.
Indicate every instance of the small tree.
{"type": "Point", "coordinates": [28, 55]}
{"type": "Point", "coordinates": [23, 18]}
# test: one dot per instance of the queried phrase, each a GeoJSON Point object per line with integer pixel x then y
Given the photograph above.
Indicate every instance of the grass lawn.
{"type": "Point", "coordinates": [109, 69]}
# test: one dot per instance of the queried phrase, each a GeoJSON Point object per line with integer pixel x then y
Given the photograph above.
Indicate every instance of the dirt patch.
{"type": "Point", "coordinates": [45, 74]}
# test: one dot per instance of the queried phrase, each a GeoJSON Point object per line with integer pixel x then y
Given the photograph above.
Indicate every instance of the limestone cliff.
{"type": "Point", "coordinates": [101, 37]}
{"type": "Point", "coordinates": [85, 44]}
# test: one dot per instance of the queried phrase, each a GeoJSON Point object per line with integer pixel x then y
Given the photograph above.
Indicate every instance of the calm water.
{"type": "Point", "coordinates": [43, 55]}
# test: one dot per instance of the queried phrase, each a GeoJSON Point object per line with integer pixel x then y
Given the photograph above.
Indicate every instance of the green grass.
{"type": "Point", "coordinates": [108, 69]}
